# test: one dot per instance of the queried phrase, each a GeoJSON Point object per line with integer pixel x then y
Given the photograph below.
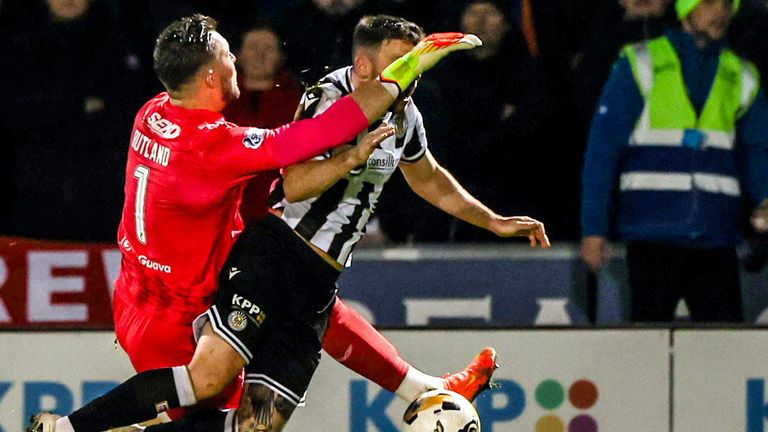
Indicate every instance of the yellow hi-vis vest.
{"type": "Point", "coordinates": [670, 120]}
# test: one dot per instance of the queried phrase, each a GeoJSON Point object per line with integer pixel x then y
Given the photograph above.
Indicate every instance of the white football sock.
{"type": "Point", "coordinates": [63, 425]}
{"type": "Point", "coordinates": [415, 383]}
{"type": "Point", "coordinates": [184, 389]}
{"type": "Point", "coordinates": [230, 421]}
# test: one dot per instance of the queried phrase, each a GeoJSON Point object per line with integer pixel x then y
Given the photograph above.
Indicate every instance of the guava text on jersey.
{"type": "Point", "coordinates": [151, 150]}
{"type": "Point", "coordinates": [153, 265]}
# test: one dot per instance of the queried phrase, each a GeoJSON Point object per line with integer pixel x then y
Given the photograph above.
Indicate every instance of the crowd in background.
{"type": "Point", "coordinates": [510, 120]}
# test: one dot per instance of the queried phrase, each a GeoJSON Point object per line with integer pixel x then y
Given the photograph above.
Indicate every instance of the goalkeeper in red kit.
{"type": "Point", "coordinates": [184, 178]}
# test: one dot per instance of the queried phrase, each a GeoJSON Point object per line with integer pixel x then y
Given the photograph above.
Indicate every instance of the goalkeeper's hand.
{"type": "Point", "coordinates": [403, 71]}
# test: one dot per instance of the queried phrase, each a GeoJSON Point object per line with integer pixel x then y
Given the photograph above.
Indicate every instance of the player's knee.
{"type": "Point", "coordinates": [209, 378]}
{"type": "Point", "coordinates": [207, 382]}
{"type": "Point", "coordinates": [214, 365]}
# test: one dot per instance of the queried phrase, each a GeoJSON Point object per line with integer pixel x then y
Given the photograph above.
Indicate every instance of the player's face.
{"type": "Point", "coordinates": [710, 19]}
{"type": "Point", "coordinates": [390, 50]}
{"type": "Point", "coordinates": [224, 73]}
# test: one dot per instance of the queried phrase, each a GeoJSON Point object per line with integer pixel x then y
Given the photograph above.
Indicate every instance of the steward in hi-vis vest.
{"type": "Point", "coordinates": [679, 138]}
{"type": "Point", "coordinates": [680, 160]}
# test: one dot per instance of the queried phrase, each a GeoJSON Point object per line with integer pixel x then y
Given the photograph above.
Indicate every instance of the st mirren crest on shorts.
{"type": "Point", "coordinates": [253, 138]}
{"type": "Point", "coordinates": [237, 320]}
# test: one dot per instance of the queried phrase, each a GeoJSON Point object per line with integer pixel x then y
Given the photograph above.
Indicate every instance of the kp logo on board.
{"type": "Point", "coordinates": [51, 396]}
{"type": "Point", "coordinates": [550, 395]}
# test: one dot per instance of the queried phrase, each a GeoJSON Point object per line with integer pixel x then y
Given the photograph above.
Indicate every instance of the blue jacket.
{"type": "Point", "coordinates": [607, 156]}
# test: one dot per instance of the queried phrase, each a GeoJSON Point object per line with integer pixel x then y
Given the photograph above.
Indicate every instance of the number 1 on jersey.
{"type": "Point", "coordinates": [142, 175]}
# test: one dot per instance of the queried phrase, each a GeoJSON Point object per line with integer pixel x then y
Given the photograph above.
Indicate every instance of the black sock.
{"type": "Point", "coordinates": [202, 421]}
{"type": "Point", "coordinates": [139, 399]}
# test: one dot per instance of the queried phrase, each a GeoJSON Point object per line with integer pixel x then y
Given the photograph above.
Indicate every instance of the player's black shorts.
{"type": "Point", "coordinates": [274, 299]}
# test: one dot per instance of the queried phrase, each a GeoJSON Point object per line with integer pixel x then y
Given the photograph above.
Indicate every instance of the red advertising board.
{"type": "Point", "coordinates": [48, 284]}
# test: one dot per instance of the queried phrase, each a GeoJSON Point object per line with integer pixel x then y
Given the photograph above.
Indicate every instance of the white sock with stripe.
{"type": "Point", "coordinates": [415, 383]}
{"type": "Point", "coordinates": [184, 389]}
{"type": "Point", "coordinates": [63, 425]}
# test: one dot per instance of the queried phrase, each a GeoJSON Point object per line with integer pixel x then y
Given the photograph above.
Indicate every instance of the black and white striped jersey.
{"type": "Point", "coordinates": [335, 221]}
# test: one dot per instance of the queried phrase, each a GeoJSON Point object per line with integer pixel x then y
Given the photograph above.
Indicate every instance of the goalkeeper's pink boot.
{"type": "Point", "coordinates": [475, 378]}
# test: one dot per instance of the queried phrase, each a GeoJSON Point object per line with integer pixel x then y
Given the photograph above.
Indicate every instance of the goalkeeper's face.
{"type": "Point", "coordinates": [220, 74]}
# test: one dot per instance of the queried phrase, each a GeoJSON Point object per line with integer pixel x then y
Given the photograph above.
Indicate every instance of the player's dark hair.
{"type": "Point", "coordinates": [372, 30]}
{"type": "Point", "coordinates": [182, 48]}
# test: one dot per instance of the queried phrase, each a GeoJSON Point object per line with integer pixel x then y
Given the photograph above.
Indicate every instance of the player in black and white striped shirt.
{"type": "Point", "coordinates": [328, 201]}
{"type": "Point", "coordinates": [334, 221]}
{"type": "Point", "coordinates": [329, 205]}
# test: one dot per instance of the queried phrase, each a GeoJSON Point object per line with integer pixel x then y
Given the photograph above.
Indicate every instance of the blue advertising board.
{"type": "Point", "coordinates": [459, 286]}
{"type": "Point", "coordinates": [500, 286]}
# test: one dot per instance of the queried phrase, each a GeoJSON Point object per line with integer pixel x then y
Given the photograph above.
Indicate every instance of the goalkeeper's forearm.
{"type": "Point", "coordinates": [374, 100]}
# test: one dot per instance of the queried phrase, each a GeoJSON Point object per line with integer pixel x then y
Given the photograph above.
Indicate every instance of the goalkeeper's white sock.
{"type": "Point", "coordinates": [415, 383]}
{"type": "Point", "coordinates": [63, 425]}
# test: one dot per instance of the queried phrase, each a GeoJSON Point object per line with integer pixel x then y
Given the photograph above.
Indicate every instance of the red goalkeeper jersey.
{"type": "Point", "coordinates": [184, 179]}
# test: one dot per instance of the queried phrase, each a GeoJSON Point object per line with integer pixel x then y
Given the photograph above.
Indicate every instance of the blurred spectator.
{"type": "Point", "coordinates": [614, 25]}
{"type": "Point", "coordinates": [143, 20]}
{"type": "Point", "coordinates": [489, 121]}
{"type": "Point", "coordinates": [431, 18]}
{"type": "Point", "coordinates": [7, 174]}
{"type": "Point", "coordinates": [67, 116]}
{"type": "Point", "coordinates": [682, 126]}
{"type": "Point", "coordinates": [316, 34]}
{"type": "Point", "coordinates": [233, 14]}
{"type": "Point", "coordinates": [554, 33]}
{"type": "Point", "coordinates": [269, 95]}
{"type": "Point", "coordinates": [749, 34]}
{"type": "Point", "coordinates": [6, 147]}
{"type": "Point", "coordinates": [274, 8]}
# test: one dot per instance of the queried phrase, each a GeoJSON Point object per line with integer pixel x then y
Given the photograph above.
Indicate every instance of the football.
{"type": "Point", "coordinates": [441, 411]}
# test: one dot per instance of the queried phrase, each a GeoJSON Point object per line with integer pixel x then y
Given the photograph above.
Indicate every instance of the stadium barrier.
{"type": "Point", "coordinates": [551, 380]}
{"type": "Point", "coordinates": [46, 285]}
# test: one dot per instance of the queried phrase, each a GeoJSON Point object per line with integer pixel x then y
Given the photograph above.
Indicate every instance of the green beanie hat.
{"type": "Point", "coordinates": [684, 7]}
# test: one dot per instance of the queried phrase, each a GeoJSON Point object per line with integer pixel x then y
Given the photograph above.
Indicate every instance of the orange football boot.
{"type": "Point", "coordinates": [475, 378]}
